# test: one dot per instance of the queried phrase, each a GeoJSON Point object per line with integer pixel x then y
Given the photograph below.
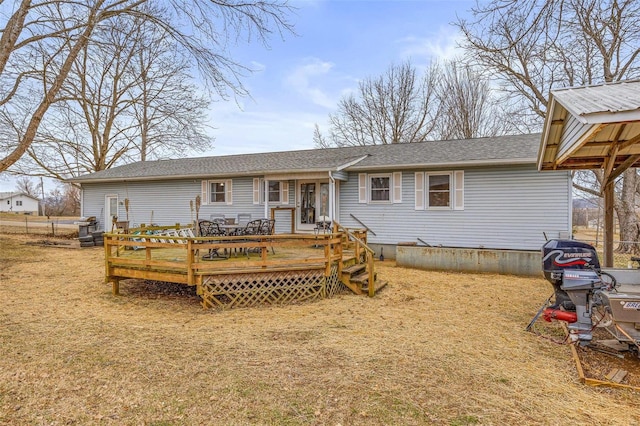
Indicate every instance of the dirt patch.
{"type": "Point", "coordinates": [431, 348]}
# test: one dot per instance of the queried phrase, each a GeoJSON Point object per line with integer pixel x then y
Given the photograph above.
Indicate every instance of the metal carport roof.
{"type": "Point", "coordinates": [594, 127]}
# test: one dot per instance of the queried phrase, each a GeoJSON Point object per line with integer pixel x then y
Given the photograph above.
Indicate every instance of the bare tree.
{"type": "Point", "coordinates": [470, 107]}
{"type": "Point", "coordinates": [397, 107]}
{"type": "Point", "coordinates": [534, 46]}
{"type": "Point", "coordinates": [169, 113]}
{"type": "Point", "coordinates": [450, 101]}
{"type": "Point", "coordinates": [41, 41]}
{"type": "Point", "coordinates": [128, 97]}
{"type": "Point", "coordinates": [319, 140]}
{"type": "Point", "coordinates": [27, 186]}
{"type": "Point", "coordinates": [63, 200]}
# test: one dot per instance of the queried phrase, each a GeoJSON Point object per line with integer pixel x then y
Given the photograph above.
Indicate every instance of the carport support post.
{"type": "Point", "coordinates": [608, 225]}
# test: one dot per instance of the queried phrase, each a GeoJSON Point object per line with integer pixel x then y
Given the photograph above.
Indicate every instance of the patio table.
{"type": "Point", "coordinates": [231, 229]}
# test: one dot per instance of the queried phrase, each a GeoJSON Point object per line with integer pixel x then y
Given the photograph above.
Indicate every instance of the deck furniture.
{"type": "Point", "coordinates": [243, 218]}
{"type": "Point", "coordinates": [323, 225]}
{"type": "Point", "coordinates": [217, 217]}
{"type": "Point", "coordinates": [208, 228]}
{"type": "Point", "coordinates": [267, 227]}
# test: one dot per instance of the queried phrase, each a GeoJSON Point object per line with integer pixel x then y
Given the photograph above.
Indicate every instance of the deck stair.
{"type": "Point", "coordinates": [358, 269]}
{"type": "Point", "coordinates": [356, 277]}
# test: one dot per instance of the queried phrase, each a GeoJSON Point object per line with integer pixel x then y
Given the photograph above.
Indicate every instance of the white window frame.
{"type": "Point", "coordinates": [456, 190]}
{"type": "Point", "coordinates": [259, 191]}
{"type": "Point", "coordinates": [428, 190]}
{"type": "Point", "coordinates": [270, 192]}
{"type": "Point", "coordinates": [365, 188]}
{"type": "Point", "coordinates": [205, 196]}
{"type": "Point", "coordinates": [221, 183]}
{"type": "Point", "coordinates": [389, 189]}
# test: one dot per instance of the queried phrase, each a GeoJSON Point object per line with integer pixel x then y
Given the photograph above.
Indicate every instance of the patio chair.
{"type": "Point", "coordinates": [243, 218]}
{"type": "Point", "coordinates": [253, 227]}
{"type": "Point", "coordinates": [208, 228]}
{"type": "Point", "coordinates": [322, 225]}
{"type": "Point", "coordinates": [267, 227]}
{"type": "Point", "coordinates": [217, 217]}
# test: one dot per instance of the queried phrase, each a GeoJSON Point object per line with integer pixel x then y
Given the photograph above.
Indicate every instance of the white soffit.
{"type": "Point", "coordinates": [580, 122]}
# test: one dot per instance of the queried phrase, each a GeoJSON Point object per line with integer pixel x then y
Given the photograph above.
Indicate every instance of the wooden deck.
{"type": "Point", "coordinates": [240, 271]}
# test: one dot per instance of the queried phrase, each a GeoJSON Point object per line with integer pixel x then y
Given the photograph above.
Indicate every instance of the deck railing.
{"type": "Point", "coordinates": [146, 254]}
{"type": "Point", "coordinates": [357, 238]}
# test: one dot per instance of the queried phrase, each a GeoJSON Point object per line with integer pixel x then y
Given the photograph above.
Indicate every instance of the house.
{"type": "Point", "coordinates": [476, 193]}
{"type": "Point", "coordinates": [18, 202]}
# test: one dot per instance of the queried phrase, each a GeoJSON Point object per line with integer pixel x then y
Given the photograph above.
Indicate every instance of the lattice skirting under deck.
{"type": "Point", "coordinates": [268, 288]}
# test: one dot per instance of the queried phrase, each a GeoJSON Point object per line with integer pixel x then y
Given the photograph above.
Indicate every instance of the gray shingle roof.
{"type": "Point", "coordinates": [432, 154]}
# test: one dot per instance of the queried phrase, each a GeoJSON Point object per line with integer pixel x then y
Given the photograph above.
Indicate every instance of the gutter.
{"type": "Point", "coordinates": [198, 176]}
{"type": "Point", "coordinates": [471, 163]}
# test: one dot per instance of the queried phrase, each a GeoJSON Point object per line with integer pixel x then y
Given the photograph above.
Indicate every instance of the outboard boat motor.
{"type": "Point", "coordinates": [583, 299]}
{"type": "Point", "coordinates": [559, 256]}
{"type": "Point", "coordinates": [579, 286]}
{"type": "Point", "coordinates": [573, 268]}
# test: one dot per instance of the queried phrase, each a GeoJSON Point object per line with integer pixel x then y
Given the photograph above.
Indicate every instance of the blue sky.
{"type": "Point", "coordinates": [339, 43]}
{"type": "Point", "coordinates": [301, 79]}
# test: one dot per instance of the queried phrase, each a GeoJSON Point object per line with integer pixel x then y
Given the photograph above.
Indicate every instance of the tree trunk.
{"type": "Point", "coordinates": [627, 217]}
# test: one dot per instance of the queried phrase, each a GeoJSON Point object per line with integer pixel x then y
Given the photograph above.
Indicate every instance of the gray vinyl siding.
{"type": "Point", "coordinates": [340, 175]}
{"type": "Point", "coordinates": [168, 202]}
{"type": "Point", "coordinates": [508, 207]}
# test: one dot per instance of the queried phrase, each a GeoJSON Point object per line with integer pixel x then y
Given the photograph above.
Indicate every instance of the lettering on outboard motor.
{"type": "Point", "coordinates": [564, 259]}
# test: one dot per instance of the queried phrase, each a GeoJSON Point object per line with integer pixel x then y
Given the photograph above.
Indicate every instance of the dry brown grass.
{"type": "Point", "coordinates": [432, 348]}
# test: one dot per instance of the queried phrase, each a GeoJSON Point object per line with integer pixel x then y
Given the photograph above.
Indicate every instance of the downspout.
{"type": "Point", "coordinates": [332, 196]}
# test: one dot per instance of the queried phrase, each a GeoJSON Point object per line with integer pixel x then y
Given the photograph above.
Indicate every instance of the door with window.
{"type": "Point", "coordinates": [313, 203]}
{"type": "Point", "coordinates": [111, 211]}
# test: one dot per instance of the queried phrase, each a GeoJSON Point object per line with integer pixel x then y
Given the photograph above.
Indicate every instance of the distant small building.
{"type": "Point", "coordinates": [18, 202]}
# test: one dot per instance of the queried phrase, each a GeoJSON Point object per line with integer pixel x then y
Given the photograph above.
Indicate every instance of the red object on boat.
{"type": "Point", "coordinates": [556, 314]}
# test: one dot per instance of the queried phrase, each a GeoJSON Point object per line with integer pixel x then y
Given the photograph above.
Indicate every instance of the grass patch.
{"type": "Point", "coordinates": [431, 348]}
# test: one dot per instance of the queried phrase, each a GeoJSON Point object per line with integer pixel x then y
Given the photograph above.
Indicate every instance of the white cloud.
{"type": "Point", "coordinates": [304, 79]}
{"type": "Point", "coordinates": [442, 45]}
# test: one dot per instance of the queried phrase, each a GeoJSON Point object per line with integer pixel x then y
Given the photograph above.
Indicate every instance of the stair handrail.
{"type": "Point", "coordinates": [368, 257]}
{"type": "Point", "coordinates": [357, 239]}
{"type": "Point", "coordinates": [362, 223]}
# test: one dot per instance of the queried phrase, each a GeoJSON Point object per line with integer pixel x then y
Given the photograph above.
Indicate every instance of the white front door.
{"type": "Point", "coordinates": [111, 211]}
{"type": "Point", "coordinates": [312, 202]}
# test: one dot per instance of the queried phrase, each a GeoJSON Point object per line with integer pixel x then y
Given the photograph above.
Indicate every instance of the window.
{"type": "Point", "coordinates": [439, 190]}
{"type": "Point", "coordinates": [217, 192]}
{"type": "Point", "coordinates": [19, 203]}
{"type": "Point", "coordinates": [278, 191]}
{"type": "Point", "coordinates": [380, 188]}
{"type": "Point", "coordinates": [439, 187]}
{"type": "Point", "coordinates": [274, 191]}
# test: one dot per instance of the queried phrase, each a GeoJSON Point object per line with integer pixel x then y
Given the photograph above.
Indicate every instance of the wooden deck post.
{"type": "Point", "coordinates": [372, 275]}
{"type": "Point", "coordinates": [190, 260]}
{"type": "Point", "coordinates": [116, 286]}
